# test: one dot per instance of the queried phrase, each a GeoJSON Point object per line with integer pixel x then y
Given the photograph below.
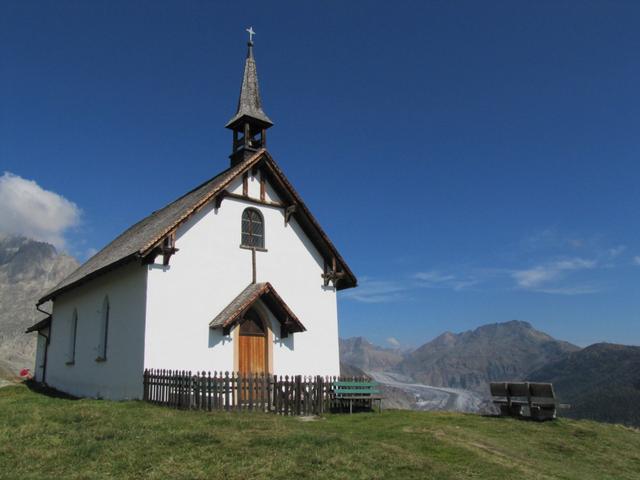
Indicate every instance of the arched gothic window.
{"type": "Point", "coordinates": [252, 229]}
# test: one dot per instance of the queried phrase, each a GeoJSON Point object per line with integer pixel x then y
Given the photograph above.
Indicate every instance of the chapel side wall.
{"type": "Point", "coordinates": [120, 376]}
{"type": "Point", "coordinates": [210, 269]}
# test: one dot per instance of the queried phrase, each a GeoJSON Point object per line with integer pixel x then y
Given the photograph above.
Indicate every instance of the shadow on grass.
{"type": "Point", "coordinates": [48, 391]}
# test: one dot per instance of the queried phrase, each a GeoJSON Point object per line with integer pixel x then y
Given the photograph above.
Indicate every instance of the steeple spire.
{"type": "Point", "coordinates": [250, 123]}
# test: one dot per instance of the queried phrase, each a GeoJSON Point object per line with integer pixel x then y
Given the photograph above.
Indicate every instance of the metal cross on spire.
{"type": "Point", "coordinates": [251, 34]}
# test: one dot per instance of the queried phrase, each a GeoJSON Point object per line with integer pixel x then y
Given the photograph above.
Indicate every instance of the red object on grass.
{"type": "Point", "coordinates": [25, 372]}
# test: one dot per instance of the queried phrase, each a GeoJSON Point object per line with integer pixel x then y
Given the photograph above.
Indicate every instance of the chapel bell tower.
{"type": "Point", "coordinates": [250, 123]}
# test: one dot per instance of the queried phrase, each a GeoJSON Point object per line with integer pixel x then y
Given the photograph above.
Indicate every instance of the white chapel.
{"type": "Point", "coordinates": [235, 275]}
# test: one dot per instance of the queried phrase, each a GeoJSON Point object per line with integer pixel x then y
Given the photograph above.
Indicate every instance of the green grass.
{"type": "Point", "coordinates": [44, 437]}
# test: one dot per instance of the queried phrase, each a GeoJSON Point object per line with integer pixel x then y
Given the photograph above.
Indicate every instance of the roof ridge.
{"type": "Point", "coordinates": [239, 167]}
{"type": "Point", "coordinates": [193, 189]}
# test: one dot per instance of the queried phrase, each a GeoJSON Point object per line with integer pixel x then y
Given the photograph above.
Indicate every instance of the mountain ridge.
{"type": "Point", "coordinates": [600, 382]}
{"type": "Point", "coordinates": [471, 359]}
{"type": "Point", "coordinates": [27, 269]}
{"type": "Point", "coordinates": [362, 354]}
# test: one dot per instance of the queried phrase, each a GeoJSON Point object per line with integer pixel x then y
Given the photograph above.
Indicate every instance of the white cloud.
{"type": "Point", "coordinates": [393, 341]}
{"type": "Point", "coordinates": [29, 210]}
{"type": "Point", "coordinates": [375, 291]}
{"type": "Point", "coordinates": [616, 251]}
{"type": "Point", "coordinates": [553, 239]}
{"type": "Point", "coordinates": [537, 278]}
{"type": "Point", "coordinates": [462, 284]}
{"type": "Point", "coordinates": [576, 242]}
{"type": "Point", "coordinates": [435, 279]}
{"type": "Point", "coordinates": [636, 260]}
{"type": "Point", "coordinates": [573, 290]}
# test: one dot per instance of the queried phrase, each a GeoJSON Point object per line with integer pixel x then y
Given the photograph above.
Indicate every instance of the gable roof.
{"type": "Point", "coordinates": [139, 240]}
{"type": "Point", "coordinates": [233, 312]}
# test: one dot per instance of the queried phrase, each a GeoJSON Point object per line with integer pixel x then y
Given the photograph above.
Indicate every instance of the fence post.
{"type": "Point", "coordinates": [195, 383]}
{"type": "Point", "coordinates": [176, 388]}
{"type": "Point", "coordinates": [298, 394]}
{"type": "Point", "coordinates": [276, 394]}
{"type": "Point", "coordinates": [184, 383]}
{"type": "Point", "coordinates": [169, 387]}
{"type": "Point", "coordinates": [239, 390]}
{"type": "Point", "coordinates": [217, 402]}
{"type": "Point", "coordinates": [320, 393]}
{"type": "Point", "coordinates": [225, 387]}
{"type": "Point", "coordinates": [173, 388]}
{"type": "Point", "coordinates": [159, 390]}
{"type": "Point", "coordinates": [271, 393]}
{"type": "Point", "coordinates": [182, 388]}
{"type": "Point", "coordinates": [152, 386]}
{"type": "Point", "coordinates": [265, 392]}
{"type": "Point", "coordinates": [145, 385]}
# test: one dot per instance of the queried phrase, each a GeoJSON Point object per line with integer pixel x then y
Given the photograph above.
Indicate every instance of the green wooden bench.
{"type": "Point", "coordinates": [356, 391]}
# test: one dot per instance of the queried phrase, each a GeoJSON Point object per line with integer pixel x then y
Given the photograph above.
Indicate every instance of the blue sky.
{"type": "Point", "coordinates": [474, 162]}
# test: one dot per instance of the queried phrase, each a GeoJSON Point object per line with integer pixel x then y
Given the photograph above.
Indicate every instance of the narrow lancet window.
{"type": "Point", "coordinates": [252, 229]}
{"type": "Point", "coordinates": [104, 330]}
{"type": "Point", "coordinates": [73, 334]}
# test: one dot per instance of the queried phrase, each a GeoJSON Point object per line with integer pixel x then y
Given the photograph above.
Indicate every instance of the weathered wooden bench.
{"type": "Point", "coordinates": [542, 401]}
{"type": "Point", "coordinates": [513, 397]}
{"type": "Point", "coordinates": [356, 391]}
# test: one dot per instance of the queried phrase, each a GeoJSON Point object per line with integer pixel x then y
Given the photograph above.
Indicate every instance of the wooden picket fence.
{"type": "Point", "coordinates": [285, 395]}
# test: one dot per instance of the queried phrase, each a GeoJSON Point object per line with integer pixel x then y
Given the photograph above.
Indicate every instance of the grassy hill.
{"type": "Point", "coordinates": [44, 437]}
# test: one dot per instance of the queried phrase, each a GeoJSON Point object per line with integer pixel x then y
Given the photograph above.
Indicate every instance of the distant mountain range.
{"type": "Point", "coordinates": [360, 353]}
{"type": "Point", "coordinates": [467, 360]}
{"type": "Point", "coordinates": [27, 269]}
{"type": "Point", "coordinates": [600, 382]}
{"type": "Point", "coordinates": [472, 359]}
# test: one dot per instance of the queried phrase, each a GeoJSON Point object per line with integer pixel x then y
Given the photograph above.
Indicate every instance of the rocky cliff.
{"type": "Point", "coordinates": [28, 268]}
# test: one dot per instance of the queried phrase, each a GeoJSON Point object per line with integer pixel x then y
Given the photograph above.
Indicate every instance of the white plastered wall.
{"type": "Point", "coordinates": [120, 376]}
{"type": "Point", "coordinates": [210, 269]}
{"type": "Point", "coordinates": [40, 350]}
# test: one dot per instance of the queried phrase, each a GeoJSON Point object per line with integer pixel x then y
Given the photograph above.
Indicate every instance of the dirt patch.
{"type": "Point", "coordinates": [310, 418]}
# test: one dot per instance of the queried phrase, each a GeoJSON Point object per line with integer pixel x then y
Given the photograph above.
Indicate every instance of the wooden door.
{"type": "Point", "coordinates": [252, 348]}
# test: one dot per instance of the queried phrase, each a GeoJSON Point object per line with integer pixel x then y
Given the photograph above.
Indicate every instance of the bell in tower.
{"type": "Point", "coordinates": [250, 123]}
